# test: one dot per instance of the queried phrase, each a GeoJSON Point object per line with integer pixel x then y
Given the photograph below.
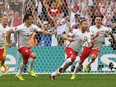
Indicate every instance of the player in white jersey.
{"type": "Point", "coordinates": [80, 36]}
{"type": "Point", "coordinates": [25, 31]}
{"type": "Point", "coordinates": [97, 33]}
{"type": "Point", "coordinates": [3, 29]}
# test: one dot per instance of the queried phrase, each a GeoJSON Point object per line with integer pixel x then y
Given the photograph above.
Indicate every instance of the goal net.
{"type": "Point", "coordinates": [50, 49]}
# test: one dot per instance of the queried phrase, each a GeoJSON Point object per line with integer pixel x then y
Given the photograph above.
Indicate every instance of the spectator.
{"type": "Point", "coordinates": [0, 19]}
{"type": "Point", "coordinates": [53, 11]}
{"type": "Point", "coordinates": [107, 12]}
{"type": "Point", "coordinates": [16, 6]}
{"type": "Point", "coordinates": [63, 4]}
{"type": "Point", "coordinates": [73, 10]}
{"type": "Point", "coordinates": [39, 7]}
{"type": "Point", "coordinates": [50, 10]}
{"type": "Point", "coordinates": [89, 15]}
{"type": "Point", "coordinates": [62, 29]}
{"type": "Point", "coordinates": [2, 6]}
{"type": "Point", "coordinates": [17, 20]}
{"type": "Point", "coordinates": [113, 20]}
{"type": "Point", "coordinates": [45, 40]}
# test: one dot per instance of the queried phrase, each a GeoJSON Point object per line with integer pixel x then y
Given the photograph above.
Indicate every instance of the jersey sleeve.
{"type": "Point", "coordinates": [91, 31]}
{"type": "Point", "coordinates": [36, 28]}
{"type": "Point", "coordinates": [17, 29]}
{"type": "Point", "coordinates": [108, 30]}
{"type": "Point", "coordinates": [89, 37]}
{"type": "Point", "coordinates": [72, 33]}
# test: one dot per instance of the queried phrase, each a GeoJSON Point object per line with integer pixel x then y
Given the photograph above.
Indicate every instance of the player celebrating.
{"type": "Point", "coordinates": [79, 37]}
{"type": "Point", "coordinates": [97, 33]}
{"type": "Point", "coordinates": [25, 31]}
{"type": "Point", "coordinates": [3, 29]}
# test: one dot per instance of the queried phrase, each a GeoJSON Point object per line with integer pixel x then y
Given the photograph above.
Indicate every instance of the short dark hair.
{"type": "Point", "coordinates": [26, 17]}
{"type": "Point", "coordinates": [101, 16]}
{"type": "Point", "coordinates": [3, 15]}
{"type": "Point", "coordinates": [82, 20]}
{"type": "Point", "coordinates": [77, 15]}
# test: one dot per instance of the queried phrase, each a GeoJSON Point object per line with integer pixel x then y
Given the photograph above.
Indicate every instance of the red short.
{"type": "Point", "coordinates": [1, 53]}
{"type": "Point", "coordinates": [70, 52]}
{"type": "Point", "coordinates": [26, 52]}
{"type": "Point", "coordinates": [87, 51]}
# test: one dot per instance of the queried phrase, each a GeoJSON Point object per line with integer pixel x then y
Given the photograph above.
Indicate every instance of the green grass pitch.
{"type": "Point", "coordinates": [82, 80]}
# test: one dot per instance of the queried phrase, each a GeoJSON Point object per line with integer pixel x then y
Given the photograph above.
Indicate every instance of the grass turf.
{"type": "Point", "coordinates": [82, 80]}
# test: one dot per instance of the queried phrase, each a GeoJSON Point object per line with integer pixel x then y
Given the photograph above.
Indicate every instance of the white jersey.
{"type": "Point", "coordinates": [98, 40]}
{"type": "Point", "coordinates": [25, 33]}
{"type": "Point", "coordinates": [3, 35]}
{"type": "Point", "coordinates": [79, 39]}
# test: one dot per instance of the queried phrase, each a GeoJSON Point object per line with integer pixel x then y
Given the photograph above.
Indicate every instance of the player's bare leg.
{"type": "Point", "coordinates": [93, 57]}
{"type": "Point", "coordinates": [19, 74]}
{"type": "Point", "coordinates": [6, 68]}
{"type": "Point", "coordinates": [4, 65]}
{"type": "Point", "coordinates": [64, 66]}
{"type": "Point", "coordinates": [77, 67]}
{"type": "Point", "coordinates": [31, 62]}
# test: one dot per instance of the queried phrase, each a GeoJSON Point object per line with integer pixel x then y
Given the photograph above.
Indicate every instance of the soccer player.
{"type": "Point", "coordinates": [80, 36]}
{"type": "Point", "coordinates": [25, 31]}
{"type": "Point", "coordinates": [3, 29]}
{"type": "Point", "coordinates": [97, 32]}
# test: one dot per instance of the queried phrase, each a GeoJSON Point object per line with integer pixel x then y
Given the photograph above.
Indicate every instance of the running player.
{"type": "Point", "coordinates": [3, 29]}
{"type": "Point", "coordinates": [25, 31]}
{"type": "Point", "coordinates": [80, 36]}
{"type": "Point", "coordinates": [97, 32]}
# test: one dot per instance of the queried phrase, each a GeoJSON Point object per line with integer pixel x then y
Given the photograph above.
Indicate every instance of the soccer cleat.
{"type": "Point", "coordinates": [19, 77]}
{"type": "Point", "coordinates": [86, 69]}
{"type": "Point", "coordinates": [32, 73]}
{"type": "Point", "coordinates": [6, 70]}
{"type": "Point", "coordinates": [73, 77]}
{"type": "Point", "coordinates": [52, 77]}
{"type": "Point", "coordinates": [59, 71]}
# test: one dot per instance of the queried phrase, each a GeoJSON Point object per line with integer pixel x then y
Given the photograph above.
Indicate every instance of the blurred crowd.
{"type": "Point", "coordinates": [60, 16]}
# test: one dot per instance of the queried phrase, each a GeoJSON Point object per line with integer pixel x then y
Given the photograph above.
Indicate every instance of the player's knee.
{"type": "Point", "coordinates": [81, 62]}
{"type": "Point", "coordinates": [93, 57]}
{"type": "Point", "coordinates": [25, 62]}
{"type": "Point", "coordinates": [70, 63]}
{"type": "Point", "coordinates": [33, 55]}
{"type": "Point", "coordinates": [73, 58]}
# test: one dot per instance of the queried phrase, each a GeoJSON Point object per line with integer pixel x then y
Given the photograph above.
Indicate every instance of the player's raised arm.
{"type": "Point", "coordinates": [46, 32]}
{"type": "Point", "coordinates": [67, 37]}
{"type": "Point", "coordinates": [42, 30]}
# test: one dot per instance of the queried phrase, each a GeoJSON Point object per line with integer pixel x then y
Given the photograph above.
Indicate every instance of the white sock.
{"type": "Point", "coordinates": [54, 73]}
{"type": "Point", "coordinates": [77, 67]}
{"type": "Point", "coordinates": [31, 61]}
{"type": "Point", "coordinates": [63, 65]}
{"type": "Point", "coordinates": [22, 66]}
{"type": "Point", "coordinates": [90, 62]}
{"type": "Point", "coordinates": [66, 62]}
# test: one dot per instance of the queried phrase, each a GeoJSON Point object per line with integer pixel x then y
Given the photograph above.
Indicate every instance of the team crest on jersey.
{"type": "Point", "coordinates": [31, 29]}
{"type": "Point", "coordinates": [3, 34]}
{"type": "Point", "coordinates": [15, 28]}
{"type": "Point", "coordinates": [27, 35]}
{"type": "Point", "coordinates": [102, 32]}
{"type": "Point", "coordinates": [85, 38]}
